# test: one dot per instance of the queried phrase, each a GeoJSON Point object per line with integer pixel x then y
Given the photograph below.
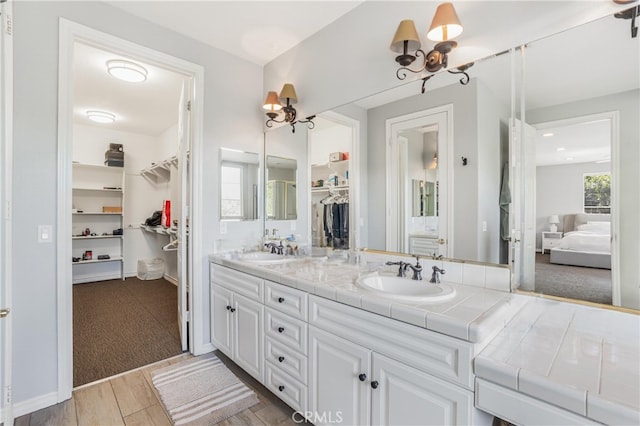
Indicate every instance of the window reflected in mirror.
{"type": "Point", "coordinates": [281, 192]}
{"type": "Point", "coordinates": [239, 183]}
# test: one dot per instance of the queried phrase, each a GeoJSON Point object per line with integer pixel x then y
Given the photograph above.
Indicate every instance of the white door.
{"type": "Point", "coordinates": [339, 382]}
{"type": "Point", "coordinates": [6, 100]}
{"type": "Point", "coordinates": [184, 145]}
{"type": "Point", "coordinates": [406, 396]}
{"type": "Point", "coordinates": [247, 336]}
{"type": "Point", "coordinates": [522, 181]}
{"type": "Point", "coordinates": [221, 320]}
{"type": "Point", "coordinates": [440, 119]}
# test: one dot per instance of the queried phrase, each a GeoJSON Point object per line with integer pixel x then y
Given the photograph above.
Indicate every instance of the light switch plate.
{"type": "Point", "coordinates": [223, 227]}
{"type": "Point", "coordinates": [45, 233]}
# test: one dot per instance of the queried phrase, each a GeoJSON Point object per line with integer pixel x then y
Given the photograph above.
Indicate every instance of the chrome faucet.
{"type": "Point", "coordinates": [273, 247]}
{"type": "Point", "coordinates": [436, 256]}
{"type": "Point", "coordinates": [417, 270]}
{"type": "Point", "coordinates": [402, 267]}
{"type": "Point", "coordinates": [435, 278]}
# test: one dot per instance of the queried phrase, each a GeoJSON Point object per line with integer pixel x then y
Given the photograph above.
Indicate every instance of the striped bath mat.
{"type": "Point", "coordinates": [201, 391]}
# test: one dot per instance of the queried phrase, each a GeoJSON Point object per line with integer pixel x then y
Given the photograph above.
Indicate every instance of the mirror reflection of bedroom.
{"type": "Point", "coordinates": [573, 210]}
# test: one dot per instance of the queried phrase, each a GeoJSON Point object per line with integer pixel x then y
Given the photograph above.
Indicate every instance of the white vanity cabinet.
{"type": "Point", "coordinates": [236, 328]}
{"type": "Point", "coordinates": [362, 386]}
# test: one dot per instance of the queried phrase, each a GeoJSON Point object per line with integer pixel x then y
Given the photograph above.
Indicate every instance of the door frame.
{"type": "Point", "coordinates": [393, 125]}
{"type": "Point", "coordinates": [614, 118]}
{"type": "Point", "coordinates": [69, 33]}
{"type": "Point", "coordinates": [6, 159]}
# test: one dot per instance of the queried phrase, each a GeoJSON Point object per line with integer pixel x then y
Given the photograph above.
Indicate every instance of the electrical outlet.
{"type": "Point", "coordinates": [223, 227]}
{"type": "Point", "coordinates": [484, 226]}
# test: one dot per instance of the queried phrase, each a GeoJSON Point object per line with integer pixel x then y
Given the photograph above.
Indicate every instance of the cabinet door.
{"type": "Point", "coordinates": [247, 339]}
{"type": "Point", "coordinates": [221, 326]}
{"type": "Point", "coordinates": [336, 390]}
{"type": "Point", "coordinates": [406, 396]}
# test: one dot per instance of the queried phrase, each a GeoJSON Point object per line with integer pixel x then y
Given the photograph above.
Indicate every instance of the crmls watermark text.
{"type": "Point", "coordinates": [326, 417]}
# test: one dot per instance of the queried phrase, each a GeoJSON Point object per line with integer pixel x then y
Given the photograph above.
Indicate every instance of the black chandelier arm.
{"type": "Point", "coordinates": [424, 81]}
{"type": "Point", "coordinates": [464, 80]}
{"type": "Point", "coordinates": [401, 72]}
{"type": "Point", "coordinates": [308, 121]}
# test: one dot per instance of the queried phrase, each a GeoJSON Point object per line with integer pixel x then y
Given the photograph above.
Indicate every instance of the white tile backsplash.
{"type": "Point", "coordinates": [473, 275]}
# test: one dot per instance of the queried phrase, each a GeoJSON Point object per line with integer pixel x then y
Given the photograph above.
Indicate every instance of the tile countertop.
{"type": "Point", "coordinates": [474, 314]}
{"type": "Point", "coordinates": [585, 360]}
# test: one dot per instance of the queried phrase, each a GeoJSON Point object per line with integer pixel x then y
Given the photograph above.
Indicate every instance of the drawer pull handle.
{"type": "Point", "coordinates": [232, 309]}
{"type": "Point", "coordinates": [280, 388]}
{"type": "Point", "coordinates": [280, 299]}
{"type": "Point", "coordinates": [280, 358]}
{"type": "Point", "coordinates": [374, 384]}
{"type": "Point", "coordinates": [280, 329]}
{"type": "Point", "coordinates": [362, 377]}
{"type": "Point", "coordinates": [228, 307]}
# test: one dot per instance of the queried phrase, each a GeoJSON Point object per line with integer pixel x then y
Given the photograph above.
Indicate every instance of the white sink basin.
{"type": "Point", "coordinates": [406, 288]}
{"type": "Point", "coordinates": [265, 258]}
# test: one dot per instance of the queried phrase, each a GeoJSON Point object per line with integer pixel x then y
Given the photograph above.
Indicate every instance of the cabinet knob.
{"type": "Point", "coordinates": [280, 388]}
{"type": "Point", "coordinates": [228, 307]}
{"type": "Point", "coordinates": [280, 299]}
{"type": "Point", "coordinates": [374, 384]}
{"type": "Point", "coordinates": [362, 377]}
{"type": "Point", "coordinates": [280, 329]}
{"type": "Point", "coordinates": [280, 358]}
{"type": "Point", "coordinates": [232, 309]}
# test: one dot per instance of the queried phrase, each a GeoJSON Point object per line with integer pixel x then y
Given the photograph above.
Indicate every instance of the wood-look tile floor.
{"type": "Point", "coordinates": [131, 399]}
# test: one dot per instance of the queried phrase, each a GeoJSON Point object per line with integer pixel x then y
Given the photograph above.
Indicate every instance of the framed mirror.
{"type": "Point", "coordinates": [239, 185]}
{"type": "Point", "coordinates": [281, 188]}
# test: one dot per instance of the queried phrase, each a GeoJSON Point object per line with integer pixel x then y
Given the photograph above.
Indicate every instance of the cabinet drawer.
{"type": "Point", "coordinates": [286, 299]}
{"type": "Point", "coordinates": [286, 360]}
{"type": "Point", "coordinates": [247, 285]}
{"type": "Point", "coordinates": [425, 243]}
{"type": "Point", "coordinates": [548, 242]}
{"type": "Point", "coordinates": [431, 352]}
{"type": "Point", "coordinates": [286, 330]}
{"type": "Point", "coordinates": [286, 387]}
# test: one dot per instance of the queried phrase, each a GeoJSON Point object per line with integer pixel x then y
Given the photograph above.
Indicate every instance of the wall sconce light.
{"type": "Point", "coordinates": [287, 112]}
{"type": "Point", "coordinates": [444, 27]}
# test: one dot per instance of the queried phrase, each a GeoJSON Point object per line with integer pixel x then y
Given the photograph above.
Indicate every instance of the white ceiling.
{"type": "Point", "coordinates": [577, 143]}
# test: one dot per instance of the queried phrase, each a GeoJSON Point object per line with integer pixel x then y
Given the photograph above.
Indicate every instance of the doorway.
{"type": "Point", "coordinates": [575, 221]}
{"type": "Point", "coordinates": [77, 140]}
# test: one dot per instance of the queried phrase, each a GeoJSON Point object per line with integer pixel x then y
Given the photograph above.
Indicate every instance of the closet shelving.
{"type": "Point", "coordinates": [95, 187]}
{"type": "Point", "coordinates": [330, 188]}
{"type": "Point", "coordinates": [161, 170]}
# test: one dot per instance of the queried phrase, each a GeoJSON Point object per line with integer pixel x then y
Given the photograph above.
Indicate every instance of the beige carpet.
{"type": "Point", "coordinates": [121, 325]}
{"type": "Point", "coordinates": [201, 391]}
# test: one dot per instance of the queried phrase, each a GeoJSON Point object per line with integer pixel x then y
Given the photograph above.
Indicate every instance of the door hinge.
{"type": "Point", "coordinates": [8, 396]}
{"type": "Point", "coordinates": [8, 25]}
{"type": "Point", "coordinates": [7, 211]}
{"type": "Point", "coordinates": [188, 105]}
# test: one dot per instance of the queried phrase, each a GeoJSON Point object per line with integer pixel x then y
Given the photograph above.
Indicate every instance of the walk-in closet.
{"type": "Point", "coordinates": [127, 182]}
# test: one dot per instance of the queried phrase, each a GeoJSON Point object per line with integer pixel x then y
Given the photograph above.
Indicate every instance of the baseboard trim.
{"type": "Point", "coordinates": [171, 279]}
{"type": "Point", "coordinates": [35, 404]}
{"type": "Point", "coordinates": [97, 277]}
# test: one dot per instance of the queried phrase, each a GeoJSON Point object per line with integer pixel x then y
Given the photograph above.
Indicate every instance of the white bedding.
{"type": "Point", "coordinates": [590, 241]}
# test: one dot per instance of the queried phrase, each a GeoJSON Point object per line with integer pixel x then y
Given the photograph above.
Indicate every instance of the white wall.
{"type": "Point", "coordinates": [237, 122]}
{"type": "Point", "coordinates": [325, 141]}
{"type": "Point", "coordinates": [628, 106]}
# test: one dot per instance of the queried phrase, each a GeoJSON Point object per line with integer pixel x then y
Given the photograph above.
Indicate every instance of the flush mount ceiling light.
{"type": "Point", "coordinates": [101, 116]}
{"type": "Point", "coordinates": [287, 113]}
{"type": "Point", "coordinates": [444, 27]}
{"type": "Point", "coordinates": [127, 71]}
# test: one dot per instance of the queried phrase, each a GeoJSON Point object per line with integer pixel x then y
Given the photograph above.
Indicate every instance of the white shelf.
{"type": "Point", "coordinates": [161, 169]}
{"type": "Point", "coordinates": [96, 237]}
{"type": "Point", "coordinates": [328, 164]}
{"type": "Point", "coordinates": [328, 188]}
{"type": "Point", "coordinates": [158, 230]}
{"type": "Point", "coordinates": [98, 167]}
{"type": "Point", "coordinates": [113, 259]}
{"type": "Point", "coordinates": [98, 213]}
{"type": "Point", "coordinates": [98, 189]}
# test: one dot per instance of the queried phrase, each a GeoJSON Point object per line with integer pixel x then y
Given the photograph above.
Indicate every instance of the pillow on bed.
{"type": "Point", "coordinates": [599, 227]}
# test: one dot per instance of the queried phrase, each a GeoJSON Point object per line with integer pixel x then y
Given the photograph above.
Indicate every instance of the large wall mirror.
{"type": "Point", "coordinates": [582, 132]}
{"type": "Point", "coordinates": [475, 188]}
{"type": "Point", "coordinates": [239, 185]}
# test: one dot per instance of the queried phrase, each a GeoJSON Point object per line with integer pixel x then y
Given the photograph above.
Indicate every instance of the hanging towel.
{"type": "Point", "coordinates": [505, 200]}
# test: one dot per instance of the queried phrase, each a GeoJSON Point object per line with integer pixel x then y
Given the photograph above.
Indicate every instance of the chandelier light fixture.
{"type": "Point", "coordinates": [278, 113]}
{"type": "Point", "coordinates": [444, 27]}
{"type": "Point", "coordinates": [127, 70]}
